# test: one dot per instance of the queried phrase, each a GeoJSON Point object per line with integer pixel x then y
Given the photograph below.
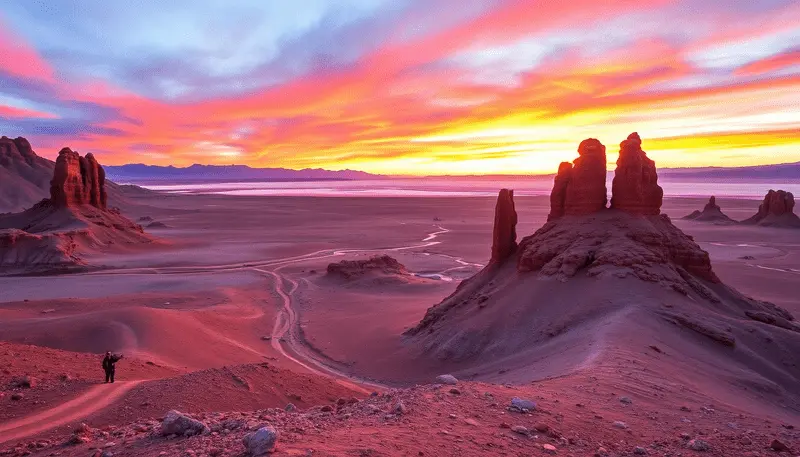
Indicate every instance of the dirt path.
{"type": "Point", "coordinates": [91, 401]}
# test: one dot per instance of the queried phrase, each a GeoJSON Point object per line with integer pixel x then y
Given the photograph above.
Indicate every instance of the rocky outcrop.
{"type": "Point", "coordinates": [356, 269]}
{"type": "Point", "coordinates": [635, 187]}
{"type": "Point", "coordinates": [504, 235]}
{"type": "Point", "coordinates": [78, 181]}
{"type": "Point", "coordinates": [777, 210]}
{"type": "Point", "coordinates": [711, 213]}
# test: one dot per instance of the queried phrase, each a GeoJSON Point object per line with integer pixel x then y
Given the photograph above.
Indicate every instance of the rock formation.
{"type": "Point", "coordinates": [55, 234]}
{"type": "Point", "coordinates": [635, 187]}
{"type": "Point", "coordinates": [78, 181]}
{"type": "Point", "coordinates": [777, 210]}
{"type": "Point", "coordinates": [711, 213]}
{"type": "Point", "coordinates": [585, 188]}
{"type": "Point", "coordinates": [504, 235]}
{"type": "Point", "coordinates": [584, 286]}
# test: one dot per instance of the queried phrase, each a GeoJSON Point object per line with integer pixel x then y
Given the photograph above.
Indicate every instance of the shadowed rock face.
{"type": "Point", "coordinates": [776, 210]}
{"type": "Point", "coordinates": [559, 194]}
{"type": "Point", "coordinates": [635, 187]}
{"type": "Point", "coordinates": [504, 237]}
{"type": "Point", "coordinates": [78, 181]}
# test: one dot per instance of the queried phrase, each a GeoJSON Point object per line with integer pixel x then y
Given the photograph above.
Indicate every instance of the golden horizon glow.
{"type": "Point", "coordinates": [501, 88]}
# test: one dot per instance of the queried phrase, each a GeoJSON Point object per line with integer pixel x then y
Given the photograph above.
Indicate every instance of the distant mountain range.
{"type": "Point", "coordinates": [138, 172]}
{"type": "Point", "coordinates": [779, 172]}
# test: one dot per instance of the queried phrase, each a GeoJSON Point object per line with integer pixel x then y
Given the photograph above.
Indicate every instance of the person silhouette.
{"type": "Point", "coordinates": [109, 362]}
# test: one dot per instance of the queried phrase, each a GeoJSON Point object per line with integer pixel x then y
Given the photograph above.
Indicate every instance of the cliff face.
{"type": "Point", "coordinates": [78, 181]}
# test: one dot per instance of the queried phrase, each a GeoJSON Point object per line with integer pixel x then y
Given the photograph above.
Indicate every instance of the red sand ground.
{"type": "Point", "coordinates": [204, 304]}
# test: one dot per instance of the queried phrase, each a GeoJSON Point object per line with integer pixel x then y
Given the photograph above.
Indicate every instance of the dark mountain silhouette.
{"type": "Point", "coordinates": [138, 172]}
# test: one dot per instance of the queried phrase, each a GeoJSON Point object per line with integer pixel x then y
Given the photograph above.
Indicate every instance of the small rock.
{"type": "Point", "coordinates": [471, 421]}
{"type": "Point", "coordinates": [549, 448]}
{"type": "Point", "coordinates": [16, 396]}
{"type": "Point", "coordinates": [261, 442]}
{"type": "Point", "coordinates": [455, 391]}
{"type": "Point", "coordinates": [620, 425]}
{"type": "Point", "coordinates": [290, 407]}
{"type": "Point", "coordinates": [399, 408]}
{"type": "Point", "coordinates": [446, 379]}
{"type": "Point", "coordinates": [601, 452]}
{"type": "Point", "coordinates": [519, 429]}
{"type": "Point", "coordinates": [25, 382]}
{"type": "Point", "coordinates": [699, 445]}
{"type": "Point", "coordinates": [266, 338]}
{"type": "Point", "coordinates": [685, 436]}
{"type": "Point", "coordinates": [777, 446]}
{"type": "Point", "coordinates": [625, 400]}
{"type": "Point", "coordinates": [519, 404]}
{"type": "Point", "coordinates": [542, 428]}
{"type": "Point", "coordinates": [326, 409]}
{"type": "Point", "coordinates": [638, 450]}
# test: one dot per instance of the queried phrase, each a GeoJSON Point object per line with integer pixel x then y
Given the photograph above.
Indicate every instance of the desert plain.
{"type": "Point", "coordinates": [233, 315]}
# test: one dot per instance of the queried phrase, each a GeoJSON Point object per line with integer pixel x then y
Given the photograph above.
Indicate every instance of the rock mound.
{"type": "Point", "coordinates": [586, 285]}
{"type": "Point", "coordinates": [777, 210]}
{"type": "Point", "coordinates": [711, 213]}
{"type": "Point", "coordinates": [379, 267]}
{"type": "Point", "coordinates": [504, 235]}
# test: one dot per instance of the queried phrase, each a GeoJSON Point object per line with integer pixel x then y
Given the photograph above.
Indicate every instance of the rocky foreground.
{"type": "Point", "coordinates": [580, 417]}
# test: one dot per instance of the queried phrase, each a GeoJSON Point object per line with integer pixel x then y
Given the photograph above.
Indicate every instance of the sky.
{"type": "Point", "coordinates": [425, 87]}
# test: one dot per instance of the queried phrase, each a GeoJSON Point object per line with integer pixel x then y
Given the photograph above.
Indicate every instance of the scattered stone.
{"type": "Point", "coordinates": [522, 405]}
{"type": "Point", "coordinates": [290, 408]}
{"type": "Point", "coordinates": [446, 379]}
{"type": "Point", "coordinates": [16, 396]}
{"type": "Point", "coordinates": [777, 446]}
{"type": "Point", "coordinates": [455, 391]}
{"type": "Point", "coordinates": [399, 408]}
{"type": "Point", "coordinates": [261, 442]}
{"type": "Point", "coordinates": [177, 423]}
{"type": "Point", "coordinates": [24, 382]}
{"type": "Point", "coordinates": [699, 445]}
{"type": "Point", "coordinates": [638, 450]}
{"type": "Point", "coordinates": [625, 400]}
{"type": "Point", "coordinates": [520, 429]}
{"type": "Point", "coordinates": [542, 428]}
{"type": "Point", "coordinates": [620, 425]}
{"type": "Point", "coordinates": [549, 448]}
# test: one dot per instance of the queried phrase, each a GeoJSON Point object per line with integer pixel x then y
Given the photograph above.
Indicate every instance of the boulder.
{"type": "Point", "coordinates": [447, 379]}
{"type": "Point", "coordinates": [177, 423]}
{"type": "Point", "coordinates": [504, 236]}
{"type": "Point", "coordinates": [261, 442]}
{"type": "Point", "coordinates": [635, 186]}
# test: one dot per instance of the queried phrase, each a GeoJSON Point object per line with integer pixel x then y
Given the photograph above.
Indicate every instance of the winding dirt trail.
{"type": "Point", "coordinates": [285, 339]}
{"type": "Point", "coordinates": [91, 401]}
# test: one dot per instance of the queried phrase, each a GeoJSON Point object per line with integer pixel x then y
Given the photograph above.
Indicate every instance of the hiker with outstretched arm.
{"type": "Point", "coordinates": [109, 362]}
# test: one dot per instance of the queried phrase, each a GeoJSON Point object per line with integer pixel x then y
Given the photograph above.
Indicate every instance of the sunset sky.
{"type": "Point", "coordinates": [403, 86]}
